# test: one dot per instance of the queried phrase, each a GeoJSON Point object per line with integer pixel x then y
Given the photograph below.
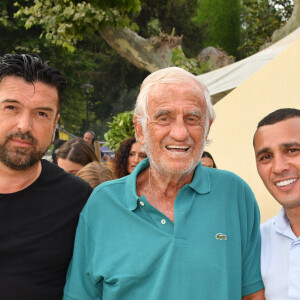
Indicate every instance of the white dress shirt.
{"type": "Point", "coordinates": [280, 259]}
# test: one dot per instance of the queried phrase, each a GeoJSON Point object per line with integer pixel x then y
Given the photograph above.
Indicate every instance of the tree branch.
{"type": "Point", "coordinates": [292, 24]}
{"type": "Point", "coordinates": [149, 54]}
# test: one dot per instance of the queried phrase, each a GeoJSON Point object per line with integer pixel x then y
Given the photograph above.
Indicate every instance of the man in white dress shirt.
{"type": "Point", "coordinates": [277, 152]}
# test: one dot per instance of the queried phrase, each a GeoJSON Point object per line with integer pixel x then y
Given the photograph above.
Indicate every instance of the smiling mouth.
{"type": "Point", "coordinates": [285, 182]}
{"type": "Point", "coordinates": [177, 148]}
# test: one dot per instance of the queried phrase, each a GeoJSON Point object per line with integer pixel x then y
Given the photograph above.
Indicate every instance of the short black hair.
{"type": "Point", "coordinates": [278, 116]}
{"type": "Point", "coordinates": [31, 68]}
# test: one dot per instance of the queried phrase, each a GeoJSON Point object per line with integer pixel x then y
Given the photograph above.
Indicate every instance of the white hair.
{"type": "Point", "coordinates": [168, 76]}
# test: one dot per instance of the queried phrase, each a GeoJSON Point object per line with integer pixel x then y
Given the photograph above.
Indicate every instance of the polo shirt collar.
{"type": "Point", "coordinates": [282, 225]}
{"type": "Point", "coordinates": [200, 182]}
{"type": "Point", "coordinates": [131, 194]}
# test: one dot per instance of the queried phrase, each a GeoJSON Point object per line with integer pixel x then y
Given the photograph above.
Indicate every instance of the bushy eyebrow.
{"type": "Point", "coordinates": [45, 108]}
{"type": "Point", "coordinates": [264, 150]}
{"type": "Point", "coordinates": [195, 113]}
{"type": "Point", "coordinates": [10, 101]}
{"type": "Point", "coordinates": [162, 112]}
{"type": "Point", "coordinates": [289, 145]}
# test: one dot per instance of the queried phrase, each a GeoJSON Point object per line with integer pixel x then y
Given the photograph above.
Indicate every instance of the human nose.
{"type": "Point", "coordinates": [24, 122]}
{"type": "Point", "coordinates": [136, 158]}
{"type": "Point", "coordinates": [279, 164]}
{"type": "Point", "coordinates": [179, 130]}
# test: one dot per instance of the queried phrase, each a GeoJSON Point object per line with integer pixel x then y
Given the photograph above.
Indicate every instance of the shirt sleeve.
{"type": "Point", "coordinates": [79, 282]}
{"type": "Point", "coordinates": [252, 281]}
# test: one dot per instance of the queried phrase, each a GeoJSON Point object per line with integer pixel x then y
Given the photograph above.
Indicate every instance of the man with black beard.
{"type": "Point", "coordinates": [39, 202]}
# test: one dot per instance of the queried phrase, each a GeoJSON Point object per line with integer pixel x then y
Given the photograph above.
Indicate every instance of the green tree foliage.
{"type": "Point", "coordinates": [260, 18]}
{"type": "Point", "coordinates": [120, 128]}
{"type": "Point", "coordinates": [116, 83]}
{"type": "Point", "coordinates": [284, 8]}
{"type": "Point", "coordinates": [13, 34]}
{"type": "Point", "coordinates": [65, 22]}
{"type": "Point", "coordinates": [222, 21]}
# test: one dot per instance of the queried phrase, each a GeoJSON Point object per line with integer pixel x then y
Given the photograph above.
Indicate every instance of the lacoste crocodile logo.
{"type": "Point", "coordinates": [220, 236]}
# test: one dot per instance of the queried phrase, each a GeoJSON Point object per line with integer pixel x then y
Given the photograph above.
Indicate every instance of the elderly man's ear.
{"type": "Point", "coordinates": [138, 130]}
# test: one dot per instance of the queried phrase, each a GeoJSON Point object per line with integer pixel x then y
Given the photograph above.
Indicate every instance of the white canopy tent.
{"type": "Point", "coordinates": [222, 81]}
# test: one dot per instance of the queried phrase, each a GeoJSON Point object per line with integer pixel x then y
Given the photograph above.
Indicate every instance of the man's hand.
{"type": "Point", "coordinates": [260, 295]}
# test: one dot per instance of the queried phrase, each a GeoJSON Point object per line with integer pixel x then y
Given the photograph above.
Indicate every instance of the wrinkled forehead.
{"type": "Point", "coordinates": [160, 90]}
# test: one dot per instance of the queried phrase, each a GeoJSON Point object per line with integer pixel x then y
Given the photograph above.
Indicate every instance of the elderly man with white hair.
{"type": "Point", "coordinates": [172, 229]}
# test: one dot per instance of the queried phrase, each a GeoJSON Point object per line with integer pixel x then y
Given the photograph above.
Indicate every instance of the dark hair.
{"type": "Point", "coordinates": [278, 116]}
{"type": "Point", "coordinates": [207, 154]}
{"type": "Point", "coordinates": [121, 157]}
{"type": "Point", "coordinates": [31, 68]}
{"type": "Point", "coordinates": [78, 151]}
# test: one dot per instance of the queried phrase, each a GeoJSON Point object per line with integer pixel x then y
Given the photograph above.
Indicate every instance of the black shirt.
{"type": "Point", "coordinates": [37, 232]}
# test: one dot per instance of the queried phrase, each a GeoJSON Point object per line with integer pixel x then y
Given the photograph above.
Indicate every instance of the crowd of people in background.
{"type": "Point", "coordinates": [77, 156]}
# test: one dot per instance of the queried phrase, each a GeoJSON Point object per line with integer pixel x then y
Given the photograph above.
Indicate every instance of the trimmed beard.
{"type": "Point", "coordinates": [18, 158]}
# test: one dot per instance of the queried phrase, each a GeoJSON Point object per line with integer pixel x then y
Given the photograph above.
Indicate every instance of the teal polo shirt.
{"type": "Point", "coordinates": [125, 249]}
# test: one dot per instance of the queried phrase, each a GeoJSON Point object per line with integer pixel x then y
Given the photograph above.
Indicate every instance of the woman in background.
{"type": "Point", "coordinates": [207, 160]}
{"type": "Point", "coordinates": [127, 157]}
{"type": "Point", "coordinates": [95, 173]}
{"type": "Point", "coordinates": [74, 155]}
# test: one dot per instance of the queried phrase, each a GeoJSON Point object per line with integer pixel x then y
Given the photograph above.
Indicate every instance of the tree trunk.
{"type": "Point", "coordinates": [149, 54]}
{"type": "Point", "coordinates": [292, 24]}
